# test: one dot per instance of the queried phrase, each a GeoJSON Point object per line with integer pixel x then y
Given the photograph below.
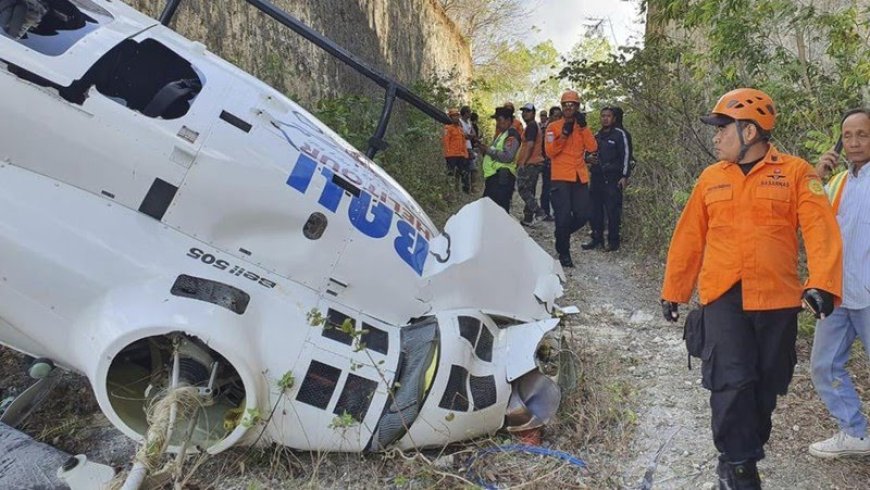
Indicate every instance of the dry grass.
{"type": "Point", "coordinates": [803, 409]}
{"type": "Point", "coordinates": [595, 421]}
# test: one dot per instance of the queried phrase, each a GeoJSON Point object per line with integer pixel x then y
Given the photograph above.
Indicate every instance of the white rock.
{"type": "Point", "coordinates": [708, 486]}
{"type": "Point", "coordinates": [796, 428]}
{"type": "Point", "coordinates": [444, 462]}
{"type": "Point", "coordinates": [657, 340]}
{"type": "Point", "coordinates": [640, 316]}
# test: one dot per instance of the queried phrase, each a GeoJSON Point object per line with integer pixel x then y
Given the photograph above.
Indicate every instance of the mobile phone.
{"type": "Point", "coordinates": [838, 148]}
{"type": "Point", "coordinates": [809, 307]}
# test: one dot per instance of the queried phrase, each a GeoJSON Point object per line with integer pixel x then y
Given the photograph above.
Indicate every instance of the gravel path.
{"type": "Point", "coordinates": [619, 313]}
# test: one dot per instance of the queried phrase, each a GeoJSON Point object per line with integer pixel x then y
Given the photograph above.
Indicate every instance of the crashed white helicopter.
{"type": "Point", "coordinates": [167, 219]}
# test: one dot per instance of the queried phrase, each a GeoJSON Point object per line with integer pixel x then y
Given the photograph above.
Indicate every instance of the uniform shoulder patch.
{"type": "Point", "coordinates": [816, 187]}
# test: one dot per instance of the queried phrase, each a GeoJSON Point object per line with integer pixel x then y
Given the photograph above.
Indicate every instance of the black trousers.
{"type": "Point", "coordinates": [606, 197]}
{"type": "Point", "coordinates": [748, 359]}
{"type": "Point", "coordinates": [571, 208]}
{"type": "Point", "coordinates": [461, 169]}
{"type": "Point", "coordinates": [545, 187]}
{"type": "Point", "coordinates": [500, 188]}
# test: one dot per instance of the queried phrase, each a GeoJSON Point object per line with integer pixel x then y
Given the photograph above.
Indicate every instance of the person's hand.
{"type": "Point", "coordinates": [819, 302]}
{"type": "Point", "coordinates": [592, 157]}
{"type": "Point", "coordinates": [581, 119]}
{"type": "Point", "coordinates": [623, 183]}
{"type": "Point", "coordinates": [827, 164]}
{"type": "Point", "coordinates": [19, 16]}
{"type": "Point", "coordinates": [670, 310]}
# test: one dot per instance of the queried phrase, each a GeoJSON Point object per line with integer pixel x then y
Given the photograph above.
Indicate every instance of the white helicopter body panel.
{"type": "Point", "coordinates": [236, 218]}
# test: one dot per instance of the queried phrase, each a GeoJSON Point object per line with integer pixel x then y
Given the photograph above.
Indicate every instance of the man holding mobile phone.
{"type": "Point", "coordinates": [849, 192]}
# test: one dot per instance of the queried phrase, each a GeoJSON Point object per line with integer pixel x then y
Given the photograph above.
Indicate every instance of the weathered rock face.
{"type": "Point", "coordinates": [408, 40]}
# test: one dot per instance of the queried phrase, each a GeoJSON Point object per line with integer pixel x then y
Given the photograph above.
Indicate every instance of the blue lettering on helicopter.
{"type": "Point", "coordinates": [373, 221]}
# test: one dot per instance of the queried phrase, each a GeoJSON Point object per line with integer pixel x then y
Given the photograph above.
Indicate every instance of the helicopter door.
{"type": "Point", "coordinates": [127, 130]}
{"type": "Point", "coordinates": [243, 196]}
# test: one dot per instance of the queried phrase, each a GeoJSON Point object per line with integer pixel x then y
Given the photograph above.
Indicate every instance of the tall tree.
{"type": "Point", "coordinates": [491, 26]}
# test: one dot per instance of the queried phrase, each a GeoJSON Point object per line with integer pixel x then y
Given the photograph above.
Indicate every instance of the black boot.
{"type": "Point", "coordinates": [596, 241]}
{"type": "Point", "coordinates": [738, 476]}
{"type": "Point", "coordinates": [566, 261]}
{"type": "Point", "coordinates": [611, 247]}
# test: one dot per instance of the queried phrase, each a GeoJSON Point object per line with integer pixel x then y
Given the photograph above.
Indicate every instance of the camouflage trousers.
{"type": "Point", "coordinates": [527, 184]}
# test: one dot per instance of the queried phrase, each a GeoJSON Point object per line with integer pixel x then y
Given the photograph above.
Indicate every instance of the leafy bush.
{"type": "Point", "coordinates": [815, 64]}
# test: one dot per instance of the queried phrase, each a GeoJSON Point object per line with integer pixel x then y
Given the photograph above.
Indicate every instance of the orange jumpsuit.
{"type": "Point", "coordinates": [567, 155]}
{"type": "Point", "coordinates": [738, 228]}
{"type": "Point", "coordinates": [453, 142]}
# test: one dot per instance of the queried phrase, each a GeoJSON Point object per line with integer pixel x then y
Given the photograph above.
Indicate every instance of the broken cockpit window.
{"type": "Point", "coordinates": [146, 77]}
{"type": "Point", "coordinates": [50, 27]}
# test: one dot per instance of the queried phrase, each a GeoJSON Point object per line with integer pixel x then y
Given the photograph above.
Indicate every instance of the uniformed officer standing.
{"type": "Point", "coordinates": [568, 140]}
{"type": "Point", "coordinates": [737, 238]}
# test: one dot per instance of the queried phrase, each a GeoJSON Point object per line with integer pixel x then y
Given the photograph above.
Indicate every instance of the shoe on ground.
{"type": "Point", "coordinates": [548, 217]}
{"type": "Point", "coordinates": [527, 221]}
{"type": "Point", "coordinates": [540, 214]}
{"type": "Point", "coordinates": [840, 445]}
{"type": "Point", "coordinates": [738, 476]}
{"type": "Point", "coordinates": [566, 261]}
{"type": "Point", "coordinates": [592, 243]}
{"type": "Point", "coordinates": [611, 247]}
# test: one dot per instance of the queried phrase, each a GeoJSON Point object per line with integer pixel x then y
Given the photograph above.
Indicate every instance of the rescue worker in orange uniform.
{"type": "Point", "coordinates": [737, 239]}
{"type": "Point", "coordinates": [456, 151]}
{"type": "Point", "coordinates": [567, 141]}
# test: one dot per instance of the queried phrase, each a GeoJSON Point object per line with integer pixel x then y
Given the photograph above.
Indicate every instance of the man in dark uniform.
{"type": "Point", "coordinates": [609, 176]}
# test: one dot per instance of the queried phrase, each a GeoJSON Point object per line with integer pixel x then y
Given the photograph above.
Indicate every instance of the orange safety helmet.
{"type": "Point", "coordinates": [743, 104]}
{"type": "Point", "coordinates": [570, 96]}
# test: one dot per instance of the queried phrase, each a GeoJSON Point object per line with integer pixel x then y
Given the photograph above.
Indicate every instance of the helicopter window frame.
{"type": "Point", "coordinates": [144, 76]}
{"type": "Point", "coordinates": [167, 91]}
{"type": "Point", "coordinates": [64, 24]}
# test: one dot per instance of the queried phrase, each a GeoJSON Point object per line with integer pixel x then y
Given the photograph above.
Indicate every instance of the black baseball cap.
{"type": "Point", "coordinates": [504, 112]}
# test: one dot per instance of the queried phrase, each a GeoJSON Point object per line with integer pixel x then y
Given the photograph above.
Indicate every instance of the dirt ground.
{"type": "Point", "coordinates": [638, 411]}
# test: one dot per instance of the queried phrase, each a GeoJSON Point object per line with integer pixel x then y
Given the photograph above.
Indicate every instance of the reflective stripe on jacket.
{"type": "Point", "coordinates": [744, 228]}
{"type": "Point", "coordinates": [835, 189]}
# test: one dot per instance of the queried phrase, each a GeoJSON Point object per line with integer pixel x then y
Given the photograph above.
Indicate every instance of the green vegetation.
{"type": "Point", "coordinates": [814, 64]}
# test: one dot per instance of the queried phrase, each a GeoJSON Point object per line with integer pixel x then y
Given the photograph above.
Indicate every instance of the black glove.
{"type": "Point", "coordinates": [19, 16]}
{"type": "Point", "coordinates": [819, 302]}
{"type": "Point", "coordinates": [568, 128]}
{"type": "Point", "coordinates": [581, 119]}
{"type": "Point", "coordinates": [670, 310]}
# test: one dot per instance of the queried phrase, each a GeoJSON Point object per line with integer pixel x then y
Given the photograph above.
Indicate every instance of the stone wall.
{"type": "Point", "coordinates": [408, 40]}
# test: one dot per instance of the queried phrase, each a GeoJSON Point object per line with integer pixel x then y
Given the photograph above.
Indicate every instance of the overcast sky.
{"type": "Point", "coordinates": [562, 21]}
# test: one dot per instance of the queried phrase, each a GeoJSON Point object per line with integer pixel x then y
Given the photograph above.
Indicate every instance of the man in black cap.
{"type": "Point", "coordinates": [499, 169]}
